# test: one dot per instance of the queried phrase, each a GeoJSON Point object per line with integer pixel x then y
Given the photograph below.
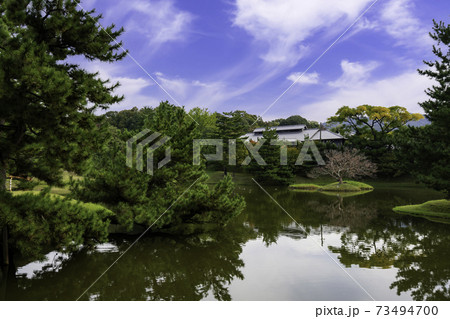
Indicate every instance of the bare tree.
{"type": "Point", "coordinates": [348, 163]}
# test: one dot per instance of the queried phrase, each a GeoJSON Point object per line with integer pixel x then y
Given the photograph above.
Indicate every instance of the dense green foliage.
{"type": "Point", "coordinates": [425, 151]}
{"type": "Point", "coordinates": [369, 129]}
{"type": "Point", "coordinates": [46, 102]}
{"type": "Point", "coordinates": [131, 120]}
{"type": "Point", "coordinates": [273, 172]}
{"type": "Point", "coordinates": [38, 222]}
{"type": "Point", "coordinates": [47, 115]}
{"type": "Point", "coordinates": [231, 126]}
{"type": "Point", "coordinates": [47, 106]}
{"type": "Point", "coordinates": [292, 120]}
{"type": "Point", "coordinates": [206, 122]}
{"type": "Point", "coordinates": [174, 195]}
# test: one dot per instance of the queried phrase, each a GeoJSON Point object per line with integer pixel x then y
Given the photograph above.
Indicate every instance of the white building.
{"type": "Point", "coordinates": [298, 133]}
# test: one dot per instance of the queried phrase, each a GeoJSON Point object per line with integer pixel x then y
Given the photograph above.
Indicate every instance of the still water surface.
{"type": "Point", "coordinates": [344, 248]}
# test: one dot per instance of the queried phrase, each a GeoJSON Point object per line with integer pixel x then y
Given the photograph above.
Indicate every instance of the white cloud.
{"type": "Point", "coordinates": [159, 21]}
{"type": "Point", "coordinates": [398, 20]}
{"type": "Point", "coordinates": [363, 24]}
{"type": "Point", "coordinates": [133, 89]}
{"type": "Point", "coordinates": [307, 78]}
{"type": "Point", "coordinates": [211, 94]}
{"type": "Point", "coordinates": [285, 25]}
{"type": "Point", "coordinates": [192, 93]}
{"type": "Point", "coordinates": [353, 73]}
{"type": "Point", "coordinates": [406, 89]}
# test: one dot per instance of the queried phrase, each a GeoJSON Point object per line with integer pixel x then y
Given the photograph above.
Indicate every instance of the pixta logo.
{"type": "Point", "coordinates": [253, 151]}
{"type": "Point", "coordinates": [152, 144]}
{"type": "Point", "coordinates": [150, 141]}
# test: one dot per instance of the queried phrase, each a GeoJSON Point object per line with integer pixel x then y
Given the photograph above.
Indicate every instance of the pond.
{"type": "Point", "coordinates": [320, 247]}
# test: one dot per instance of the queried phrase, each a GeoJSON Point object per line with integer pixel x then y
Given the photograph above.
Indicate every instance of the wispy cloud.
{"type": "Point", "coordinates": [194, 93]}
{"type": "Point", "coordinates": [284, 26]}
{"type": "Point", "coordinates": [251, 74]}
{"type": "Point", "coordinates": [134, 89]}
{"type": "Point", "coordinates": [158, 21]}
{"type": "Point", "coordinates": [398, 20]}
{"type": "Point", "coordinates": [406, 89]}
{"type": "Point", "coordinates": [214, 94]}
{"type": "Point", "coordinates": [354, 73]}
{"type": "Point", "coordinates": [307, 78]}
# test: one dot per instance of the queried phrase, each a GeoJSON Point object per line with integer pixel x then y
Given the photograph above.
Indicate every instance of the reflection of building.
{"type": "Point", "coordinates": [298, 133]}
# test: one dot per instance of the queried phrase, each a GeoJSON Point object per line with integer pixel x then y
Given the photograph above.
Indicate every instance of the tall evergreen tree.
{"type": "Point", "coordinates": [131, 119]}
{"type": "Point", "coordinates": [47, 102]}
{"type": "Point", "coordinates": [274, 172]}
{"type": "Point", "coordinates": [231, 126]}
{"type": "Point", "coordinates": [428, 148]}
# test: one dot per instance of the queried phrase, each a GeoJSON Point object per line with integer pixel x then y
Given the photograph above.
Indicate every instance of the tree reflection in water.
{"type": "Point", "coordinates": [418, 248]}
{"type": "Point", "coordinates": [179, 268]}
{"type": "Point", "coordinates": [158, 268]}
{"type": "Point", "coordinates": [372, 236]}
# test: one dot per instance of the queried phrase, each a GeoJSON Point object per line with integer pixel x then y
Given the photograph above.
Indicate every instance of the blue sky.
{"type": "Point", "coordinates": [243, 54]}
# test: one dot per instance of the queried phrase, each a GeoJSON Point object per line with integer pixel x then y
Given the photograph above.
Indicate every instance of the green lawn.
{"type": "Point", "coordinates": [336, 187]}
{"type": "Point", "coordinates": [433, 209]}
{"type": "Point", "coordinates": [40, 185]}
{"type": "Point", "coordinates": [346, 186]}
{"type": "Point", "coordinates": [349, 186]}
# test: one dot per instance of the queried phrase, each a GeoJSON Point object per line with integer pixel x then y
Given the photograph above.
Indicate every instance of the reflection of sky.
{"type": "Point", "coordinates": [301, 270]}
{"type": "Point", "coordinates": [53, 260]}
{"type": "Point", "coordinates": [291, 269]}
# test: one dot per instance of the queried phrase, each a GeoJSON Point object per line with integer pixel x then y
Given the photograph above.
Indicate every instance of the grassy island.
{"type": "Point", "coordinates": [433, 210]}
{"type": "Point", "coordinates": [345, 186]}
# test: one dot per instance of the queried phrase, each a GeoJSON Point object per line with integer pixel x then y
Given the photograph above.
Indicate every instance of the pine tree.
{"type": "Point", "coordinates": [175, 197]}
{"type": "Point", "coordinates": [428, 147]}
{"type": "Point", "coordinates": [46, 102]}
{"type": "Point", "coordinates": [37, 222]}
{"type": "Point", "coordinates": [231, 126]}
{"type": "Point", "coordinates": [274, 172]}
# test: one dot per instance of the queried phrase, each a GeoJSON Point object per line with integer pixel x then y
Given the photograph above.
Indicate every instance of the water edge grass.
{"type": "Point", "coordinates": [346, 186]}
{"type": "Point", "coordinates": [433, 209]}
